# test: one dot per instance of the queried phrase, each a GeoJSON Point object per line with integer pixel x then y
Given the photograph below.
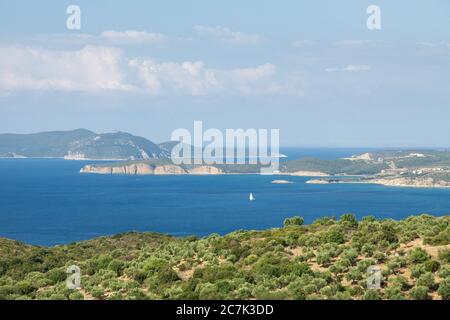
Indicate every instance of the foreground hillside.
{"type": "Point", "coordinates": [325, 260]}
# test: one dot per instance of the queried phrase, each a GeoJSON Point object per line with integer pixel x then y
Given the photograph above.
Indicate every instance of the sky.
{"type": "Point", "coordinates": [312, 69]}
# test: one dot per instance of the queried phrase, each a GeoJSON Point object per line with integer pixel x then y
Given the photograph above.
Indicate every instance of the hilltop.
{"type": "Point", "coordinates": [80, 144]}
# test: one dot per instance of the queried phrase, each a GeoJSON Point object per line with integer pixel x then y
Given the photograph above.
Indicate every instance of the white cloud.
{"type": "Point", "coordinates": [132, 37]}
{"type": "Point", "coordinates": [98, 68]}
{"type": "Point", "coordinates": [190, 78]}
{"type": "Point", "coordinates": [194, 78]}
{"type": "Point", "coordinates": [229, 36]}
{"type": "Point", "coordinates": [251, 81]}
{"type": "Point", "coordinates": [89, 69]}
{"type": "Point", "coordinates": [108, 37]}
{"type": "Point", "coordinates": [350, 68]}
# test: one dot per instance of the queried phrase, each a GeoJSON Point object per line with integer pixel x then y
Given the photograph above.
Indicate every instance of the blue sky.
{"type": "Point", "coordinates": [310, 68]}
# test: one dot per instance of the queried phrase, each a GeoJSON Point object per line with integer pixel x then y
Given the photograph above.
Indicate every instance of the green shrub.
{"type": "Point", "coordinates": [444, 255]}
{"type": "Point", "coordinates": [348, 220]}
{"type": "Point", "coordinates": [25, 287]}
{"type": "Point", "coordinates": [294, 221]}
{"type": "Point", "coordinates": [372, 295]}
{"type": "Point", "coordinates": [76, 296]}
{"type": "Point", "coordinates": [167, 275]}
{"type": "Point", "coordinates": [418, 255]}
{"type": "Point", "coordinates": [426, 280]}
{"type": "Point", "coordinates": [394, 292]}
{"type": "Point", "coordinates": [444, 289]}
{"type": "Point", "coordinates": [57, 275]}
{"type": "Point", "coordinates": [58, 296]}
{"type": "Point", "coordinates": [334, 235]}
{"type": "Point", "coordinates": [432, 265]}
{"type": "Point", "coordinates": [117, 266]}
{"type": "Point", "coordinates": [419, 293]}
{"type": "Point", "coordinates": [417, 270]}
{"type": "Point", "coordinates": [444, 272]}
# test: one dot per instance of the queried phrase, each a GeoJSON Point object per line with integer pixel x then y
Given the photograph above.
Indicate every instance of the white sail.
{"type": "Point", "coordinates": [252, 198]}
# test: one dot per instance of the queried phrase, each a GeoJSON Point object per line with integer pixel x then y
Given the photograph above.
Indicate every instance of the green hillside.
{"type": "Point", "coordinates": [79, 143]}
{"type": "Point", "coordinates": [325, 260]}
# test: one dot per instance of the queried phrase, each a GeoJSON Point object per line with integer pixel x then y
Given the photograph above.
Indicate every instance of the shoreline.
{"type": "Point", "coordinates": [386, 184]}
{"type": "Point", "coordinates": [180, 236]}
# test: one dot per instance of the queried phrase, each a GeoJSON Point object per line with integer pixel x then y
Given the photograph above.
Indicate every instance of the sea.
{"type": "Point", "coordinates": [48, 202]}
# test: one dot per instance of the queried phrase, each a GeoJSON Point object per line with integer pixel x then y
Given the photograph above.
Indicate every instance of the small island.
{"type": "Point", "coordinates": [282, 182]}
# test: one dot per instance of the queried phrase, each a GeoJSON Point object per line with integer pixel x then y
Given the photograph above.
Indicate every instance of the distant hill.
{"type": "Point", "coordinates": [80, 144]}
{"type": "Point", "coordinates": [142, 155]}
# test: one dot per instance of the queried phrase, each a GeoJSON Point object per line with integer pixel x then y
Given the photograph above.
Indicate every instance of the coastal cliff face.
{"type": "Point", "coordinates": [392, 182]}
{"type": "Point", "coordinates": [309, 174]}
{"type": "Point", "coordinates": [205, 170]}
{"type": "Point", "coordinates": [133, 169]}
{"type": "Point", "coordinates": [410, 182]}
{"type": "Point", "coordinates": [146, 169]}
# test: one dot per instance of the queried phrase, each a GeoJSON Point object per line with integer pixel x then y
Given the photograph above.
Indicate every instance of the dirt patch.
{"type": "Point", "coordinates": [295, 252]}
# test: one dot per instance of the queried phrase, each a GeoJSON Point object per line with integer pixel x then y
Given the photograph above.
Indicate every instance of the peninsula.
{"type": "Point", "coordinates": [134, 155]}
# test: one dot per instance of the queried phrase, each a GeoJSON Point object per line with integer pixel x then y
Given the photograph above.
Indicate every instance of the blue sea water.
{"type": "Point", "coordinates": [48, 202]}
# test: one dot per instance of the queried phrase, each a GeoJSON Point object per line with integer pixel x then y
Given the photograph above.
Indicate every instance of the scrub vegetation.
{"type": "Point", "coordinates": [327, 259]}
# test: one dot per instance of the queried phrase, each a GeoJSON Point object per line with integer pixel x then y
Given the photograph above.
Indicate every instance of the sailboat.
{"type": "Point", "coordinates": [252, 198]}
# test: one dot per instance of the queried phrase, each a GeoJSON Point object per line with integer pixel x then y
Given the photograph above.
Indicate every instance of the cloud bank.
{"type": "Point", "coordinates": [98, 68]}
{"type": "Point", "coordinates": [92, 68]}
{"type": "Point", "coordinates": [226, 35]}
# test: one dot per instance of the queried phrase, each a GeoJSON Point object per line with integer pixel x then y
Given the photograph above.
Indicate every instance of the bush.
{"type": "Point", "coordinates": [418, 255]}
{"type": "Point", "coordinates": [167, 275]}
{"type": "Point", "coordinates": [208, 291]}
{"type": "Point", "coordinates": [298, 269]}
{"type": "Point", "coordinates": [444, 289]}
{"type": "Point", "coordinates": [323, 258]}
{"type": "Point", "coordinates": [444, 272]}
{"type": "Point", "coordinates": [444, 255]}
{"type": "Point", "coordinates": [57, 275]}
{"type": "Point", "coordinates": [153, 265]}
{"type": "Point", "coordinates": [348, 220]}
{"type": "Point", "coordinates": [417, 270]}
{"type": "Point", "coordinates": [372, 295]}
{"type": "Point", "coordinates": [354, 275]}
{"type": "Point", "coordinates": [97, 293]}
{"type": "Point", "coordinates": [334, 235]}
{"type": "Point", "coordinates": [432, 265]}
{"type": "Point", "coordinates": [426, 280]}
{"type": "Point", "coordinates": [351, 255]}
{"type": "Point", "coordinates": [25, 287]}
{"type": "Point", "coordinates": [138, 275]}
{"type": "Point", "coordinates": [419, 293]}
{"type": "Point", "coordinates": [103, 261]}
{"type": "Point", "coordinates": [116, 266]}
{"type": "Point", "coordinates": [400, 282]}
{"type": "Point", "coordinates": [394, 292]}
{"type": "Point", "coordinates": [76, 296]}
{"type": "Point", "coordinates": [294, 221]}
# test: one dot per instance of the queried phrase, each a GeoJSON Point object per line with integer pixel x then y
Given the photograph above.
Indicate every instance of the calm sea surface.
{"type": "Point", "coordinates": [47, 202]}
